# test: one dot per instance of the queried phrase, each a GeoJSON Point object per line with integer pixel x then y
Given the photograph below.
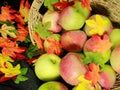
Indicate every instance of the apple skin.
{"type": "Point", "coordinates": [47, 67]}
{"type": "Point", "coordinates": [115, 59]}
{"type": "Point", "coordinates": [73, 41]}
{"type": "Point", "coordinates": [52, 17]}
{"type": "Point", "coordinates": [107, 77]}
{"type": "Point", "coordinates": [52, 85]}
{"type": "Point", "coordinates": [71, 67]}
{"type": "Point", "coordinates": [70, 19]}
{"type": "Point", "coordinates": [115, 37]}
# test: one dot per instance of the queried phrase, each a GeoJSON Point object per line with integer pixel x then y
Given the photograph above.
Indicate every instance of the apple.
{"type": "Point", "coordinates": [98, 48]}
{"type": "Point", "coordinates": [115, 59]}
{"type": "Point", "coordinates": [71, 67]}
{"type": "Point", "coordinates": [52, 17]}
{"type": "Point", "coordinates": [70, 19]}
{"type": "Point", "coordinates": [107, 77]}
{"type": "Point", "coordinates": [115, 37]}
{"type": "Point", "coordinates": [52, 85]}
{"type": "Point", "coordinates": [83, 10]}
{"type": "Point", "coordinates": [47, 67]}
{"type": "Point", "coordinates": [73, 41]}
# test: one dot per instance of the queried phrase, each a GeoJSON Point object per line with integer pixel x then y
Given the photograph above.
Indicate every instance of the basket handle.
{"type": "Point", "coordinates": [34, 17]}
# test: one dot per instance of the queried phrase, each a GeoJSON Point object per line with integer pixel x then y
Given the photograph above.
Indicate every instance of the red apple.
{"type": "Point", "coordinates": [107, 77]}
{"type": "Point", "coordinates": [73, 41]}
{"type": "Point", "coordinates": [52, 17]}
{"type": "Point", "coordinates": [53, 85]}
{"type": "Point", "coordinates": [71, 67]}
{"type": "Point", "coordinates": [115, 59]}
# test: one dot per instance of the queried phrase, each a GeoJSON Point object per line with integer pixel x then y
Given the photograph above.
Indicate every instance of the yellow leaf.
{"type": "Point", "coordinates": [98, 25]}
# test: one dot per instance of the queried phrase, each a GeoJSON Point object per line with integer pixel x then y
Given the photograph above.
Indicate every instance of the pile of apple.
{"type": "Point", "coordinates": [84, 50]}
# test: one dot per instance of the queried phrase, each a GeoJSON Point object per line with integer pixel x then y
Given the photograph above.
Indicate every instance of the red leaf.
{"type": "Point", "coordinates": [86, 3]}
{"type": "Point", "coordinates": [3, 78]}
{"type": "Point", "coordinates": [63, 4]}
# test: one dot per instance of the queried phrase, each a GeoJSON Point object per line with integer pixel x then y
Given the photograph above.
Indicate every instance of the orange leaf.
{"type": "Point", "coordinates": [6, 14]}
{"type": "Point", "coordinates": [22, 33]}
{"type": "Point", "coordinates": [54, 46]}
{"type": "Point", "coordinates": [24, 9]}
{"type": "Point", "coordinates": [38, 40]}
{"type": "Point", "coordinates": [19, 19]}
{"type": "Point", "coordinates": [93, 73]}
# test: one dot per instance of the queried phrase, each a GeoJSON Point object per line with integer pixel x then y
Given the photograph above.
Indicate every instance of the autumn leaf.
{"type": "Point", "coordinates": [63, 4]}
{"type": "Point", "coordinates": [7, 30]}
{"type": "Point", "coordinates": [7, 13]}
{"type": "Point", "coordinates": [38, 40]}
{"type": "Point", "coordinates": [84, 84]}
{"type": "Point", "coordinates": [19, 19]}
{"type": "Point", "coordinates": [54, 46]}
{"type": "Point", "coordinates": [86, 3]}
{"type": "Point", "coordinates": [97, 26]}
{"type": "Point", "coordinates": [22, 33]}
{"type": "Point", "coordinates": [93, 73]}
{"type": "Point", "coordinates": [102, 44]}
{"type": "Point", "coordinates": [24, 9]}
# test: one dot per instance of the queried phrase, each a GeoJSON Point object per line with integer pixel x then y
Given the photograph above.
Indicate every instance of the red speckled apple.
{"type": "Point", "coordinates": [71, 68]}
{"type": "Point", "coordinates": [73, 41]}
{"type": "Point", "coordinates": [107, 77]}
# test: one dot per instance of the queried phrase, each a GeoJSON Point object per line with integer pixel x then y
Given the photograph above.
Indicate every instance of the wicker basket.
{"type": "Point", "coordinates": [109, 8]}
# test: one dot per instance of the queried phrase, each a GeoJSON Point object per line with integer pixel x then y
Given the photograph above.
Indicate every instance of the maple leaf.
{"type": "Point", "coordinates": [24, 9]}
{"type": "Point", "coordinates": [19, 19]}
{"type": "Point", "coordinates": [102, 45]}
{"type": "Point", "coordinates": [86, 3]}
{"type": "Point", "coordinates": [63, 4]}
{"type": "Point", "coordinates": [7, 14]}
{"type": "Point", "coordinates": [10, 48]}
{"type": "Point", "coordinates": [7, 30]}
{"type": "Point", "coordinates": [93, 73]}
{"type": "Point", "coordinates": [54, 46]}
{"type": "Point", "coordinates": [38, 40]}
{"type": "Point", "coordinates": [22, 33]}
{"type": "Point", "coordinates": [97, 26]}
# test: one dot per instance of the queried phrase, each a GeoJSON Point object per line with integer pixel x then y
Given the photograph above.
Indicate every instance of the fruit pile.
{"type": "Point", "coordinates": [80, 47]}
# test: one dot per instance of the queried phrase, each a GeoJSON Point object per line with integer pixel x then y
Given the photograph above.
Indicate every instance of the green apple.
{"type": "Point", "coordinates": [71, 19]}
{"type": "Point", "coordinates": [53, 85]}
{"type": "Point", "coordinates": [47, 67]}
{"type": "Point", "coordinates": [115, 37]}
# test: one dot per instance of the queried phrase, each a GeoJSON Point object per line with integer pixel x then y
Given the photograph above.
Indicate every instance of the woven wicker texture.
{"type": "Point", "coordinates": [110, 8]}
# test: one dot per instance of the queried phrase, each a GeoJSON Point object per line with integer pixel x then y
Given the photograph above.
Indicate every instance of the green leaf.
{"type": "Point", "coordinates": [32, 51]}
{"type": "Point", "coordinates": [48, 3]}
{"type": "Point", "coordinates": [21, 76]}
{"type": "Point", "coordinates": [43, 30]}
{"type": "Point", "coordinates": [92, 57]}
{"type": "Point", "coordinates": [24, 71]}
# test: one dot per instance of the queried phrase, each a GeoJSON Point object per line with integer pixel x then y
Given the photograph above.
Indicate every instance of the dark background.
{"type": "Point", "coordinates": [33, 82]}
